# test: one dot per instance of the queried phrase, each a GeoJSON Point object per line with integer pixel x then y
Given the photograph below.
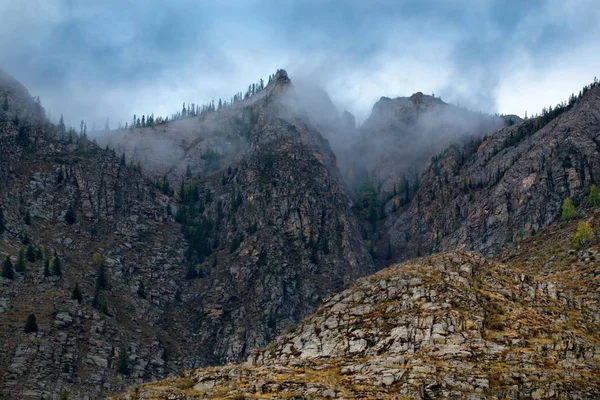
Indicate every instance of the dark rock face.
{"type": "Point", "coordinates": [283, 233]}
{"type": "Point", "coordinates": [117, 214]}
{"type": "Point", "coordinates": [486, 193]}
{"type": "Point", "coordinates": [282, 237]}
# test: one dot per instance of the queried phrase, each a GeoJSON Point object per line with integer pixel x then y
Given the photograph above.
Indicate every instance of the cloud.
{"type": "Point", "coordinates": [97, 59]}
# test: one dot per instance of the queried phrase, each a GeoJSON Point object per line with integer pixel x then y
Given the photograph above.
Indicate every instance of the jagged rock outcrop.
{"type": "Point", "coordinates": [268, 233]}
{"type": "Point", "coordinates": [281, 229]}
{"type": "Point", "coordinates": [452, 325]}
{"type": "Point", "coordinates": [488, 192]}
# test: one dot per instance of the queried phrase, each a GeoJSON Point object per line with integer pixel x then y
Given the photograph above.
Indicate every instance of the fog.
{"type": "Point", "coordinates": [95, 60]}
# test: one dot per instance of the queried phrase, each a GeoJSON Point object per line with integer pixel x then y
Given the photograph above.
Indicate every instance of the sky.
{"type": "Point", "coordinates": [98, 59]}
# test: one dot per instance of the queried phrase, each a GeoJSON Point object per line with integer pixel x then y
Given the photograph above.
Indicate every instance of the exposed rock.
{"type": "Point", "coordinates": [469, 342]}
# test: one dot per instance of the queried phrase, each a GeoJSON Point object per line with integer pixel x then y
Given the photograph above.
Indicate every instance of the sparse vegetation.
{"type": "Point", "coordinates": [583, 235]}
{"type": "Point", "coordinates": [568, 210]}
{"type": "Point", "coordinates": [594, 197]}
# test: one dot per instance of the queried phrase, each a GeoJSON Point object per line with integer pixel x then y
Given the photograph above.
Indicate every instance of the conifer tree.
{"type": "Point", "coordinates": [123, 364]}
{"type": "Point", "coordinates": [5, 104]}
{"type": "Point", "coordinates": [20, 265]}
{"type": "Point", "coordinates": [2, 223]}
{"type": "Point", "coordinates": [141, 291]}
{"type": "Point", "coordinates": [56, 266]}
{"type": "Point", "coordinates": [7, 269]}
{"type": "Point", "coordinates": [31, 324]}
{"type": "Point", "coordinates": [76, 294]}
{"type": "Point", "coordinates": [61, 124]}
{"type": "Point", "coordinates": [594, 198]}
{"type": "Point", "coordinates": [101, 279]}
{"type": "Point", "coordinates": [47, 263]}
{"type": "Point", "coordinates": [30, 254]}
{"type": "Point", "coordinates": [71, 216]}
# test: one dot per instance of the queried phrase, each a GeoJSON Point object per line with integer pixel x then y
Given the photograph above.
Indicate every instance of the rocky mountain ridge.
{"type": "Point", "coordinates": [239, 223]}
{"type": "Point", "coordinates": [488, 192]}
{"type": "Point", "coordinates": [451, 325]}
{"type": "Point", "coordinates": [164, 280]}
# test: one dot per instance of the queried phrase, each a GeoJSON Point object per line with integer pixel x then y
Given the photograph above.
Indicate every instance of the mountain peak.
{"type": "Point", "coordinates": [279, 83]}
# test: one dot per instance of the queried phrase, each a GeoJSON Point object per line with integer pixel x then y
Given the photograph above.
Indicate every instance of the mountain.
{"type": "Point", "coordinates": [401, 135]}
{"type": "Point", "coordinates": [488, 192]}
{"type": "Point", "coordinates": [74, 210]}
{"type": "Point", "coordinates": [153, 280]}
{"type": "Point", "coordinates": [450, 325]}
{"type": "Point", "coordinates": [195, 241]}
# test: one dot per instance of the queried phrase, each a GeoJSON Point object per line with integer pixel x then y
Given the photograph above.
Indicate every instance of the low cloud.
{"type": "Point", "coordinates": [97, 59]}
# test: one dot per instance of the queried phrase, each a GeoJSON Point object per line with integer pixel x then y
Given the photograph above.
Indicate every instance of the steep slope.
{"type": "Point", "coordinates": [64, 199]}
{"type": "Point", "coordinates": [256, 245]}
{"type": "Point", "coordinates": [274, 236]}
{"type": "Point", "coordinates": [452, 325]}
{"type": "Point", "coordinates": [486, 193]}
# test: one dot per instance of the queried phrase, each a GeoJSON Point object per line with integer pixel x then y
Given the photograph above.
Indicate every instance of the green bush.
{"type": "Point", "coordinates": [594, 197]}
{"type": "Point", "coordinates": [583, 234]}
{"type": "Point", "coordinates": [568, 209]}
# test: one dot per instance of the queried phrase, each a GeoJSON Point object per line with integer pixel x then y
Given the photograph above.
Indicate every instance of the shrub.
{"type": "Point", "coordinates": [77, 294]}
{"type": "Point", "coordinates": [594, 197]}
{"type": "Point", "coordinates": [568, 209]}
{"type": "Point", "coordinates": [31, 324]}
{"type": "Point", "coordinates": [191, 272]}
{"type": "Point", "coordinates": [97, 258]}
{"type": "Point", "coordinates": [70, 216]}
{"type": "Point", "coordinates": [583, 234]}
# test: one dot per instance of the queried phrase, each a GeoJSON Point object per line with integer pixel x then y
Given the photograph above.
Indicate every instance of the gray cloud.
{"type": "Point", "coordinates": [96, 59]}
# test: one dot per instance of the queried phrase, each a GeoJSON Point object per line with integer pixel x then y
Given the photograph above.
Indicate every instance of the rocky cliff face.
{"type": "Point", "coordinates": [277, 232]}
{"type": "Point", "coordinates": [489, 192]}
{"type": "Point", "coordinates": [258, 243]}
{"type": "Point", "coordinates": [64, 200]}
{"type": "Point", "coordinates": [452, 325]}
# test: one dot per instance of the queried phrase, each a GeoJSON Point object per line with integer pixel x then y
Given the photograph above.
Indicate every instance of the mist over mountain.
{"type": "Point", "coordinates": [299, 200]}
